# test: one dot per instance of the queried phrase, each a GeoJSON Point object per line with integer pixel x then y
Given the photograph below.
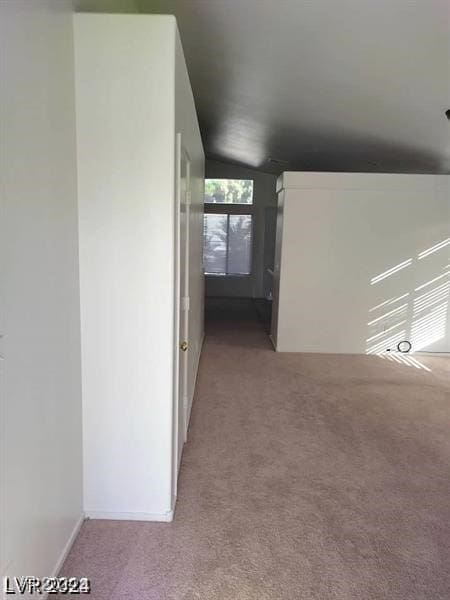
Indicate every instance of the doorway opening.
{"type": "Point", "coordinates": [239, 248]}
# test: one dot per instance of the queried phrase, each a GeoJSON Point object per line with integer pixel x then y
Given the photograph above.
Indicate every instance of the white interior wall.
{"type": "Point", "coordinates": [41, 478]}
{"type": "Point", "coordinates": [341, 233]}
{"type": "Point", "coordinates": [258, 284]}
{"type": "Point", "coordinates": [186, 123]}
{"type": "Point", "coordinates": [125, 71]}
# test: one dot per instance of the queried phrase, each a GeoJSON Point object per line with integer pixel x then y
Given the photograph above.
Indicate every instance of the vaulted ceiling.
{"type": "Point", "coordinates": [358, 85]}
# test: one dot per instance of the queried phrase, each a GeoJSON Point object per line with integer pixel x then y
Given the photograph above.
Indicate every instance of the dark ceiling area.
{"type": "Point", "coordinates": [355, 85]}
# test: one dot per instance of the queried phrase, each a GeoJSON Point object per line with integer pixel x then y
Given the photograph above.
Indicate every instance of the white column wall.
{"type": "Point", "coordinates": [125, 72]}
{"type": "Point", "coordinates": [341, 233]}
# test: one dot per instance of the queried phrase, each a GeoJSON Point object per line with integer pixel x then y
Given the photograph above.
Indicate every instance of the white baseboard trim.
{"type": "Point", "coordinates": [166, 517]}
{"type": "Point", "coordinates": [68, 546]}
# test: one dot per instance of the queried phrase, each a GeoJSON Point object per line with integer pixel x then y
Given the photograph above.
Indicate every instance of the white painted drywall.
{"type": "Point", "coordinates": [127, 106]}
{"type": "Point", "coordinates": [258, 284]}
{"type": "Point", "coordinates": [41, 476]}
{"type": "Point", "coordinates": [125, 128]}
{"type": "Point", "coordinates": [186, 123]}
{"type": "Point", "coordinates": [341, 232]}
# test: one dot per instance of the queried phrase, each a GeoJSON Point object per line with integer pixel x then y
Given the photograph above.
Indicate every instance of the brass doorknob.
{"type": "Point", "coordinates": [184, 346]}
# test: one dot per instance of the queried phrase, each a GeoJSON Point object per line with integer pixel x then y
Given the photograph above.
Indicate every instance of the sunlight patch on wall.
{"type": "Point", "coordinates": [438, 278]}
{"type": "Point", "coordinates": [434, 249]}
{"type": "Point", "coordinates": [429, 321]}
{"type": "Point", "coordinates": [419, 316]}
{"type": "Point", "coordinates": [391, 271]}
{"type": "Point", "coordinates": [386, 342]}
{"type": "Point", "coordinates": [388, 302]}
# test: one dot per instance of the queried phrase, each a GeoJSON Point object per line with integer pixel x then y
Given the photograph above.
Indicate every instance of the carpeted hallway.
{"type": "Point", "coordinates": [306, 477]}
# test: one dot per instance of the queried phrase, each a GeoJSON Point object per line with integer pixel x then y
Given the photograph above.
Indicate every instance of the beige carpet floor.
{"type": "Point", "coordinates": [306, 477]}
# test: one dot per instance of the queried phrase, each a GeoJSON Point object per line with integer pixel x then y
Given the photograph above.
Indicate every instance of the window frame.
{"type": "Point", "coordinates": [231, 208]}
{"type": "Point", "coordinates": [235, 204]}
{"type": "Point", "coordinates": [227, 249]}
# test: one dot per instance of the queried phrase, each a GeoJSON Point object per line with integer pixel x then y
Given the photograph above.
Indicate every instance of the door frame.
{"type": "Point", "coordinates": [180, 313]}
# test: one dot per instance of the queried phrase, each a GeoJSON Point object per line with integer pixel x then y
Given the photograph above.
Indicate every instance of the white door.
{"type": "Point", "coordinates": [183, 202]}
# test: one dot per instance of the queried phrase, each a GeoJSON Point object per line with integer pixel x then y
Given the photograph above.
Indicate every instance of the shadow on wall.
{"type": "Point", "coordinates": [419, 313]}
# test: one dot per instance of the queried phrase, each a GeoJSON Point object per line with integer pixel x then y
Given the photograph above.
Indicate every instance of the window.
{"type": "Point", "coordinates": [227, 244]}
{"type": "Point", "coordinates": [229, 191]}
{"type": "Point", "coordinates": [228, 226]}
